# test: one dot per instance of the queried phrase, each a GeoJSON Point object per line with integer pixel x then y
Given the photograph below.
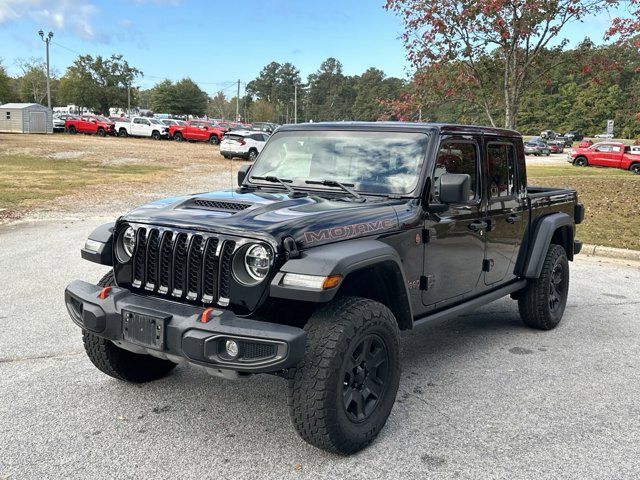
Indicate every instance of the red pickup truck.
{"type": "Point", "coordinates": [198, 131]}
{"type": "Point", "coordinates": [606, 154]}
{"type": "Point", "coordinates": [94, 124]}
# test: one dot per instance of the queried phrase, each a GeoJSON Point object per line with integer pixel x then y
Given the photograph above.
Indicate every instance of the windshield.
{"type": "Point", "coordinates": [373, 162]}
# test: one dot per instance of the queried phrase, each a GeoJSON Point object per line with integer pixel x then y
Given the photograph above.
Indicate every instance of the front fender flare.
{"type": "Point", "coordinates": [343, 258]}
{"type": "Point", "coordinates": [101, 250]}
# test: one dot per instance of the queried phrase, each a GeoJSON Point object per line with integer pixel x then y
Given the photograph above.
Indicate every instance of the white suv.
{"type": "Point", "coordinates": [242, 143]}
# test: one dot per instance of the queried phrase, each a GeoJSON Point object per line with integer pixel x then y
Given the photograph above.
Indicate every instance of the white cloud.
{"type": "Point", "coordinates": [60, 15]}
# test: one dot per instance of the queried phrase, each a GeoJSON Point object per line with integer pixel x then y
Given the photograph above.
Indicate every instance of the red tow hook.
{"type": "Point", "coordinates": [104, 292]}
{"type": "Point", "coordinates": [205, 315]}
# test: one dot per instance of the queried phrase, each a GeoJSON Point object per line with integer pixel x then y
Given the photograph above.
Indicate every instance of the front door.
{"type": "Point", "coordinates": [455, 249]}
{"type": "Point", "coordinates": [505, 216]}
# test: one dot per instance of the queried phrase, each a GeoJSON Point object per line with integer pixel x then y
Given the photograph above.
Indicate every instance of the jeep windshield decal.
{"type": "Point", "coordinates": [372, 162]}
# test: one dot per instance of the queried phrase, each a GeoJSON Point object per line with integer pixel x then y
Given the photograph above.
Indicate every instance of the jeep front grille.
{"type": "Point", "coordinates": [181, 265]}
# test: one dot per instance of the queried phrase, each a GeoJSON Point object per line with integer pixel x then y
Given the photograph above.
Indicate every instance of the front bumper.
{"type": "Point", "coordinates": [263, 346]}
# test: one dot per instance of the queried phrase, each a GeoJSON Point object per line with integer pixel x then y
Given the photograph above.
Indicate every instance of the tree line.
{"type": "Point", "coordinates": [569, 89]}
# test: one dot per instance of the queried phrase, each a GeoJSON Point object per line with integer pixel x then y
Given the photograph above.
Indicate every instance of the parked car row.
{"type": "Point", "coordinates": [607, 154]}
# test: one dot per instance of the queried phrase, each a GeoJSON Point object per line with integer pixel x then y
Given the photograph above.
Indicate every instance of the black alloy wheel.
{"type": "Point", "coordinates": [365, 373]}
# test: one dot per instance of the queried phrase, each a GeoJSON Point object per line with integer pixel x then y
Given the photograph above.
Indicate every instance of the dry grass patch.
{"type": "Point", "coordinates": [610, 196]}
{"type": "Point", "coordinates": [26, 180]}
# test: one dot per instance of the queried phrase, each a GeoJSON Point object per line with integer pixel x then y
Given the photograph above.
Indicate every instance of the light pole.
{"type": "Point", "coordinates": [295, 103]}
{"type": "Point", "coordinates": [47, 41]}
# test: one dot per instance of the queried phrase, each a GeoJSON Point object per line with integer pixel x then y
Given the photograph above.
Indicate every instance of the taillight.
{"type": "Point", "coordinates": [241, 141]}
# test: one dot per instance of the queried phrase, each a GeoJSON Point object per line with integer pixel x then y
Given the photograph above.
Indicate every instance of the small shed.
{"type": "Point", "coordinates": [25, 118]}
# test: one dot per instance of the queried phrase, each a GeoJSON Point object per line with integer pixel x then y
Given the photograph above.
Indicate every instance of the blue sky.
{"type": "Point", "coordinates": [216, 43]}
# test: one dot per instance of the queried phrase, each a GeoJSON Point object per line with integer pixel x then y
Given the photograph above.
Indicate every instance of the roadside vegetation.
{"type": "Point", "coordinates": [610, 197]}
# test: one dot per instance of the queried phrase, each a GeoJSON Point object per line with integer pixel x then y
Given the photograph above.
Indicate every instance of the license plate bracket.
{"type": "Point", "coordinates": [144, 329]}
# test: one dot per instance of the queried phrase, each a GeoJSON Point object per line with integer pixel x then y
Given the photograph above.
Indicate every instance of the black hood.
{"type": "Point", "coordinates": [311, 220]}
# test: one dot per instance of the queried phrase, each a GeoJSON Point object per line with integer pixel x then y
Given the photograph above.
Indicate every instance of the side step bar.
{"type": "Point", "coordinates": [470, 305]}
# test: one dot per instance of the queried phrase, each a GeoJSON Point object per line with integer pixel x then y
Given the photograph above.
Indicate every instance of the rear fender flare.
{"type": "Point", "coordinates": [536, 248]}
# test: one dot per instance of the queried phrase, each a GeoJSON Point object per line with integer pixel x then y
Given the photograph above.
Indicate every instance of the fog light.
{"type": "Point", "coordinates": [232, 348]}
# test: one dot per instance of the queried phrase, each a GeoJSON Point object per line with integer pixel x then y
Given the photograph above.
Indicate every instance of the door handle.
{"type": "Point", "coordinates": [513, 218]}
{"type": "Point", "coordinates": [478, 225]}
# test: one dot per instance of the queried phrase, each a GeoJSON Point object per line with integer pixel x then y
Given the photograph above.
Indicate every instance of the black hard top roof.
{"type": "Point", "coordinates": [448, 128]}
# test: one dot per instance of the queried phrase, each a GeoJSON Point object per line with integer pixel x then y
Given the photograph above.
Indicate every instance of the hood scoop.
{"type": "Point", "coordinates": [216, 205]}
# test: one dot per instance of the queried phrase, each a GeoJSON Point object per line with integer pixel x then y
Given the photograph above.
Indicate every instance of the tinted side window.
{"type": "Point", "coordinates": [457, 157]}
{"type": "Point", "coordinates": [501, 159]}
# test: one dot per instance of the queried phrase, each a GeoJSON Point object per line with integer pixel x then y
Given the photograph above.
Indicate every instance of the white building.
{"type": "Point", "coordinates": [25, 118]}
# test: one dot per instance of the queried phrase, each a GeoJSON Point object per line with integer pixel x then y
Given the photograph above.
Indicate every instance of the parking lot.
{"type": "Point", "coordinates": [481, 396]}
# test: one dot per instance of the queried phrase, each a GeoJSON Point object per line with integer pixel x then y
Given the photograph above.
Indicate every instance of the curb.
{"type": "Point", "coordinates": [610, 252]}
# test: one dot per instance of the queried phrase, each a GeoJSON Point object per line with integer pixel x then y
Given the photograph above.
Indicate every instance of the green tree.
{"type": "Point", "coordinates": [6, 86]}
{"type": "Point", "coordinates": [99, 83]}
{"type": "Point", "coordinates": [189, 98]}
{"type": "Point", "coordinates": [372, 89]}
{"type": "Point", "coordinates": [163, 97]}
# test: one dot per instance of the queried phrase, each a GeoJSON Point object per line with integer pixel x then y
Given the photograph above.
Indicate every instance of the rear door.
{"type": "Point", "coordinates": [455, 250]}
{"type": "Point", "coordinates": [505, 209]}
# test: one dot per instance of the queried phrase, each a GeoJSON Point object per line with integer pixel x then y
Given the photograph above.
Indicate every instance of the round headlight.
{"type": "Point", "coordinates": [126, 244]}
{"type": "Point", "coordinates": [257, 261]}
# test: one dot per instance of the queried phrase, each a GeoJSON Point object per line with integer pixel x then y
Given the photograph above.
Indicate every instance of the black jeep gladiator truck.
{"type": "Point", "coordinates": [338, 236]}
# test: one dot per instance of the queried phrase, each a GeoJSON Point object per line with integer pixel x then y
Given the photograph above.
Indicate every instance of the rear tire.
{"type": "Point", "coordinates": [213, 140]}
{"type": "Point", "coordinates": [119, 363]}
{"type": "Point", "coordinates": [635, 168]}
{"type": "Point", "coordinates": [542, 302]}
{"type": "Point", "coordinates": [342, 393]}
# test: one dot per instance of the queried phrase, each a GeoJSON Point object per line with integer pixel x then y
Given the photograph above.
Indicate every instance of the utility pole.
{"type": "Point", "coordinates": [238, 103]}
{"type": "Point", "coordinates": [47, 40]}
{"type": "Point", "coordinates": [295, 103]}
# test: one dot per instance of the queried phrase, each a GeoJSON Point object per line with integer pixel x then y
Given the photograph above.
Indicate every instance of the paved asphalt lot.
{"type": "Point", "coordinates": [481, 395]}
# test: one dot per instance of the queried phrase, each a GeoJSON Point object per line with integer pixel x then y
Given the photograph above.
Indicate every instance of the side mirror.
{"type": "Point", "coordinates": [454, 188]}
{"type": "Point", "coordinates": [242, 173]}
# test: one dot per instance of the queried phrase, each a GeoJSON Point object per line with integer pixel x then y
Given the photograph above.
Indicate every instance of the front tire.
{"type": "Point", "coordinates": [178, 137]}
{"type": "Point", "coordinates": [72, 130]}
{"type": "Point", "coordinates": [581, 162]}
{"type": "Point", "coordinates": [542, 302]}
{"type": "Point", "coordinates": [213, 140]}
{"type": "Point", "coordinates": [252, 155]}
{"type": "Point", "coordinates": [119, 363]}
{"type": "Point", "coordinates": [342, 393]}
{"type": "Point", "coordinates": [123, 133]}
{"type": "Point", "coordinates": [155, 135]}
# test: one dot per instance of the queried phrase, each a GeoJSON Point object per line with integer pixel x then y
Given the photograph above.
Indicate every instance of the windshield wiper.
{"type": "Point", "coordinates": [343, 186]}
{"type": "Point", "coordinates": [281, 181]}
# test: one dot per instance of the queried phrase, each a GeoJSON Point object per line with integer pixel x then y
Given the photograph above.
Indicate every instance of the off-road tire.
{"type": "Point", "coordinates": [635, 168]}
{"type": "Point", "coordinates": [178, 137]}
{"type": "Point", "coordinates": [534, 302]}
{"type": "Point", "coordinates": [317, 385]}
{"type": "Point", "coordinates": [581, 162]}
{"type": "Point", "coordinates": [119, 363]}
